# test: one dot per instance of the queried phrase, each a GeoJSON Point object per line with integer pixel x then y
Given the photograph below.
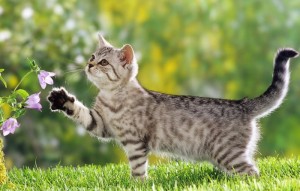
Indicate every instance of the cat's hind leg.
{"type": "Point", "coordinates": [234, 153]}
{"type": "Point", "coordinates": [240, 165]}
{"type": "Point", "coordinates": [235, 160]}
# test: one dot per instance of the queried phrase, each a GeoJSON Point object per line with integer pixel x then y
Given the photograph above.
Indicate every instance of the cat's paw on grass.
{"type": "Point", "coordinates": [60, 99]}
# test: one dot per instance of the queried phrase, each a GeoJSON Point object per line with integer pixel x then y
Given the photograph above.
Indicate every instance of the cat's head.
{"type": "Point", "coordinates": [109, 67]}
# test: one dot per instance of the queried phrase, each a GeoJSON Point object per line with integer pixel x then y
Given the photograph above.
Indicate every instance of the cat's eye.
{"type": "Point", "coordinates": [103, 62]}
{"type": "Point", "coordinates": [92, 58]}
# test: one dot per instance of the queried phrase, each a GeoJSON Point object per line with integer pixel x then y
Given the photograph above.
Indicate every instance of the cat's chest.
{"type": "Point", "coordinates": [122, 115]}
{"type": "Point", "coordinates": [111, 110]}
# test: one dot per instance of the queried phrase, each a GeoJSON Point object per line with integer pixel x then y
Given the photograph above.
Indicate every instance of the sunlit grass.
{"type": "Point", "coordinates": [276, 174]}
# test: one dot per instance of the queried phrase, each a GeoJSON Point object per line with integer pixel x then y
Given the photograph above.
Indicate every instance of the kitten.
{"type": "Point", "coordinates": [221, 131]}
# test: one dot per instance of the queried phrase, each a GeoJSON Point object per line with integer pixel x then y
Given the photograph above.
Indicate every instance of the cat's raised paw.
{"type": "Point", "coordinates": [58, 99]}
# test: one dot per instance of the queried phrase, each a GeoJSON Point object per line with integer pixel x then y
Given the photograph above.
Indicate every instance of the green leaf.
{"type": "Point", "coordinates": [18, 113]}
{"type": "Point", "coordinates": [3, 81]}
{"type": "Point", "coordinates": [23, 93]}
{"type": "Point", "coordinates": [12, 101]}
{"type": "Point", "coordinates": [1, 70]}
{"type": "Point", "coordinates": [1, 115]}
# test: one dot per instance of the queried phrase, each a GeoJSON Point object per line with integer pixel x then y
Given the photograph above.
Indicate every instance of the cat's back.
{"type": "Point", "coordinates": [197, 106]}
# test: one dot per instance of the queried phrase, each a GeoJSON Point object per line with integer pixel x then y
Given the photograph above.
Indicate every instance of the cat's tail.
{"type": "Point", "coordinates": [274, 95]}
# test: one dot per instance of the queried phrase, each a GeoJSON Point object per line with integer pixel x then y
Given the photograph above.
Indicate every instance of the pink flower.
{"type": "Point", "coordinates": [9, 126]}
{"type": "Point", "coordinates": [45, 78]}
{"type": "Point", "coordinates": [33, 102]}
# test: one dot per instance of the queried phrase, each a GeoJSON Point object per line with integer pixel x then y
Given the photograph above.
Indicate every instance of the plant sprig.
{"type": "Point", "coordinates": [19, 99]}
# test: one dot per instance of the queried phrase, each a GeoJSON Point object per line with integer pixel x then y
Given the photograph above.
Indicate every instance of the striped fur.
{"type": "Point", "coordinates": [223, 132]}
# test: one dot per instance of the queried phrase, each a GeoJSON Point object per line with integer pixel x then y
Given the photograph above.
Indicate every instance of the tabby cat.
{"type": "Point", "coordinates": [221, 131]}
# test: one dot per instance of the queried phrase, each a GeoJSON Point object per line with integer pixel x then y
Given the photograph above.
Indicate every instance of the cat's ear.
{"type": "Point", "coordinates": [102, 41]}
{"type": "Point", "coordinates": [127, 54]}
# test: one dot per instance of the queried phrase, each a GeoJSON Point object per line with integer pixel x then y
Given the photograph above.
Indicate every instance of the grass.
{"type": "Point", "coordinates": [276, 174]}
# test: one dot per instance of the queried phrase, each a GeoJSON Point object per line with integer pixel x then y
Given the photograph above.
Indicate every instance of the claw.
{"type": "Point", "coordinates": [57, 99]}
{"type": "Point", "coordinates": [54, 107]}
{"type": "Point", "coordinates": [71, 99]}
{"type": "Point", "coordinates": [50, 98]}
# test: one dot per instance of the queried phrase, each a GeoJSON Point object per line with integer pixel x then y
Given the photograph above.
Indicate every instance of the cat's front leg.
{"type": "Point", "coordinates": [137, 155]}
{"type": "Point", "coordinates": [61, 100]}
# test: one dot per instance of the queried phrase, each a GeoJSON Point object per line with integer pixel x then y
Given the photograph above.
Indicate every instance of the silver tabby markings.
{"type": "Point", "coordinates": [223, 132]}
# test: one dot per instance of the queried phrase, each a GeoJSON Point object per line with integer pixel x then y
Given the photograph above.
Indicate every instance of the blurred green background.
{"type": "Point", "coordinates": [205, 48]}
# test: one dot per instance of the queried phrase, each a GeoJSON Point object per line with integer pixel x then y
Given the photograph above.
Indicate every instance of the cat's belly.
{"type": "Point", "coordinates": [181, 153]}
{"type": "Point", "coordinates": [178, 143]}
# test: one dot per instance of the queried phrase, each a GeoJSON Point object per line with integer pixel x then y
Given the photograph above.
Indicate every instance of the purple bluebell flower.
{"type": "Point", "coordinates": [45, 78]}
{"type": "Point", "coordinates": [9, 126]}
{"type": "Point", "coordinates": [33, 102]}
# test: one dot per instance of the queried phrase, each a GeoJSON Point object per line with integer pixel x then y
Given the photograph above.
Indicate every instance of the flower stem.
{"type": "Point", "coordinates": [23, 79]}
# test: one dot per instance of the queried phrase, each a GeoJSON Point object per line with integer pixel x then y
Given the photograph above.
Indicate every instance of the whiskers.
{"type": "Point", "coordinates": [74, 73]}
{"type": "Point", "coordinates": [74, 70]}
{"type": "Point", "coordinates": [78, 70]}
